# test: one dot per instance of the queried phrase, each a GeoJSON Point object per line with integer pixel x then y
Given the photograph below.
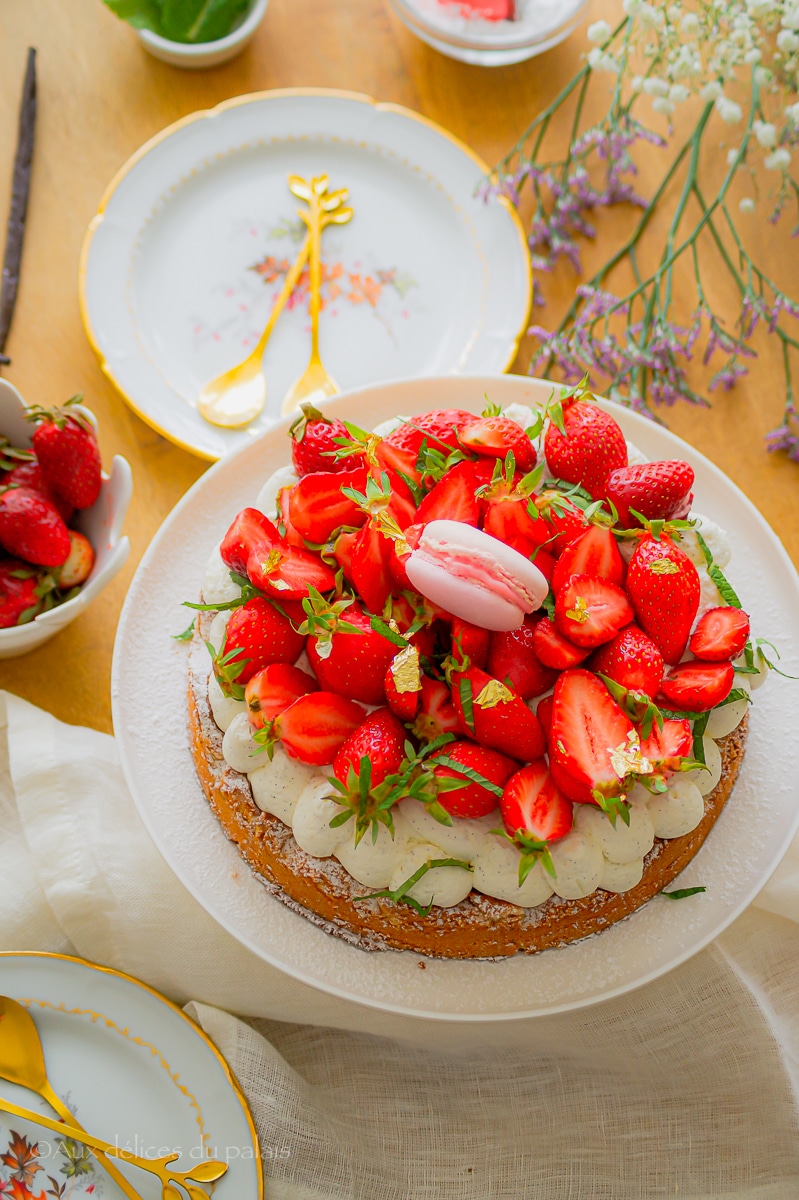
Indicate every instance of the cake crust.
{"type": "Point", "coordinates": [480, 926]}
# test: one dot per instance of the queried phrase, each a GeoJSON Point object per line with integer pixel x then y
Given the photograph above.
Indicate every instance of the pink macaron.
{"type": "Point", "coordinates": [475, 576]}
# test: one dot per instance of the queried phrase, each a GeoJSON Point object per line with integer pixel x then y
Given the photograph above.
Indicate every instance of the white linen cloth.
{"type": "Point", "coordinates": [686, 1087]}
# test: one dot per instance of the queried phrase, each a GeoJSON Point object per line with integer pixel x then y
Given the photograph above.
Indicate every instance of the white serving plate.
{"type": "Point", "coordinates": [149, 706]}
{"type": "Point", "coordinates": [426, 279]}
{"type": "Point", "coordinates": [135, 1071]}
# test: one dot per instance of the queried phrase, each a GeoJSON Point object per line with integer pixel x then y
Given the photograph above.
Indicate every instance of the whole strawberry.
{"type": "Point", "coordinates": [478, 766]}
{"type": "Point", "coordinates": [664, 587]}
{"type": "Point", "coordinates": [31, 528]}
{"type": "Point", "coordinates": [380, 739]}
{"type": "Point", "coordinates": [66, 447]}
{"type": "Point", "coordinates": [315, 442]}
{"type": "Point", "coordinates": [346, 654]}
{"type": "Point", "coordinates": [656, 490]}
{"type": "Point", "coordinates": [19, 593]}
{"type": "Point", "coordinates": [589, 447]}
{"type": "Point", "coordinates": [29, 475]}
{"type": "Point", "coordinates": [257, 634]}
{"type": "Point", "coordinates": [632, 660]}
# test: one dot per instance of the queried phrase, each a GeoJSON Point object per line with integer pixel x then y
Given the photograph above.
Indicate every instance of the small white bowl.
{"type": "Point", "coordinates": [205, 54]}
{"type": "Point", "coordinates": [101, 524]}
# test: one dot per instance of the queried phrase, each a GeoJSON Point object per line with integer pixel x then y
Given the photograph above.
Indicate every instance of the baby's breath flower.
{"type": "Point", "coordinates": [778, 159]}
{"type": "Point", "coordinates": [732, 156]}
{"type": "Point", "coordinates": [766, 133]}
{"type": "Point", "coordinates": [689, 23]}
{"type": "Point", "coordinates": [788, 41]}
{"type": "Point", "coordinates": [662, 104]}
{"type": "Point", "coordinates": [656, 87]}
{"type": "Point", "coordinates": [711, 90]}
{"type": "Point", "coordinates": [792, 113]}
{"type": "Point", "coordinates": [746, 204]}
{"type": "Point", "coordinates": [599, 32]}
{"type": "Point", "coordinates": [728, 110]}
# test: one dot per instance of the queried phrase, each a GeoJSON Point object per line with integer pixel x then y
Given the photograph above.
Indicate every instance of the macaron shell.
{"type": "Point", "coordinates": [462, 597]}
{"type": "Point", "coordinates": [459, 538]}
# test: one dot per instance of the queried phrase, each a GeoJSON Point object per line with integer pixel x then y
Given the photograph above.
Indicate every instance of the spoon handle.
{"type": "Point", "coordinates": [55, 1102]}
{"type": "Point", "coordinates": [289, 284]}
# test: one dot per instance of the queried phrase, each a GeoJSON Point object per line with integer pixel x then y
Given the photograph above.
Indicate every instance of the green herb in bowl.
{"type": "Point", "coordinates": [188, 21]}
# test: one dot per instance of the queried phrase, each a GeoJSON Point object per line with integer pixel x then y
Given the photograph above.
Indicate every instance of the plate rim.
{"type": "Point", "coordinates": [236, 102]}
{"type": "Point", "coordinates": [235, 1086]}
{"type": "Point", "coordinates": [301, 975]}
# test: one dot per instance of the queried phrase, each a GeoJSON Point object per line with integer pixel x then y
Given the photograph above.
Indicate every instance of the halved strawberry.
{"type": "Point", "coordinates": [665, 747]}
{"type": "Point", "coordinates": [78, 565]}
{"type": "Point", "coordinates": [593, 552]}
{"type": "Point", "coordinates": [380, 739]}
{"type": "Point", "coordinates": [591, 446]}
{"type": "Point", "coordinates": [315, 727]}
{"type": "Point", "coordinates": [495, 716]}
{"type": "Point", "coordinates": [272, 690]}
{"type": "Point", "coordinates": [403, 684]}
{"type": "Point", "coordinates": [632, 660]}
{"type": "Point", "coordinates": [474, 799]}
{"type": "Point", "coordinates": [400, 556]}
{"type": "Point", "coordinates": [285, 526]}
{"type": "Point", "coordinates": [553, 649]}
{"type": "Point", "coordinates": [318, 506]}
{"type": "Point", "coordinates": [437, 714]}
{"type": "Point", "coordinates": [720, 634]}
{"type": "Point", "coordinates": [287, 573]}
{"type": "Point", "coordinates": [589, 738]}
{"type": "Point", "coordinates": [544, 713]}
{"type": "Point", "coordinates": [249, 529]}
{"type": "Point", "coordinates": [513, 519]}
{"type": "Point", "coordinates": [663, 585]}
{"type": "Point", "coordinates": [370, 566]}
{"type": "Point", "coordinates": [656, 490]}
{"type": "Point", "coordinates": [535, 812]}
{"type": "Point", "coordinates": [452, 498]}
{"type": "Point", "coordinates": [495, 437]}
{"type": "Point", "coordinates": [698, 686]}
{"type": "Point", "coordinates": [411, 609]}
{"type": "Point", "coordinates": [590, 611]}
{"type": "Point", "coordinates": [512, 658]}
{"type": "Point", "coordinates": [469, 644]}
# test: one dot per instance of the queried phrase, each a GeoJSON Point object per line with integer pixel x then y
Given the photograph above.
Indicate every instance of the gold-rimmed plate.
{"type": "Point", "coordinates": [135, 1070]}
{"type": "Point", "coordinates": [196, 232]}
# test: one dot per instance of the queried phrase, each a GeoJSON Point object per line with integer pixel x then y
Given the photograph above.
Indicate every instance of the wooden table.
{"type": "Point", "coordinates": [101, 96]}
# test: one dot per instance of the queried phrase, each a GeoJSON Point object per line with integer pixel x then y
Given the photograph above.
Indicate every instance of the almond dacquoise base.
{"type": "Point", "coordinates": [479, 926]}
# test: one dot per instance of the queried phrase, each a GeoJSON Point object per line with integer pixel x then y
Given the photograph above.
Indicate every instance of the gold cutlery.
{"type": "Point", "coordinates": [315, 383]}
{"type": "Point", "coordinates": [236, 397]}
{"type": "Point", "coordinates": [22, 1062]}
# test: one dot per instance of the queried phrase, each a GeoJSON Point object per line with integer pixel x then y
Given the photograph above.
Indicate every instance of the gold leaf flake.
{"type": "Point", "coordinates": [405, 670]}
{"type": "Point", "coordinates": [664, 566]}
{"type": "Point", "coordinates": [580, 611]}
{"type": "Point", "coordinates": [493, 693]}
{"type": "Point", "coordinates": [627, 758]}
{"type": "Point", "coordinates": [390, 529]}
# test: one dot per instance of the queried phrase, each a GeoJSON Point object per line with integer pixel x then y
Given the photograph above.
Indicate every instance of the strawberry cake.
{"type": "Point", "coordinates": [477, 684]}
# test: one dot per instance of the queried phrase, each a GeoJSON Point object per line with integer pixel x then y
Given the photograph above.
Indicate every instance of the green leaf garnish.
{"type": "Point", "coordinates": [399, 894]}
{"type": "Point", "coordinates": [681, 893]}
{"type": "Point", "coordinates": [187, 634]}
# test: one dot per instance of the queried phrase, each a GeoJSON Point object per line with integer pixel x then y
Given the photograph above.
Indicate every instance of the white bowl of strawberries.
{"type": "Point", "coordinates": [60, 519]}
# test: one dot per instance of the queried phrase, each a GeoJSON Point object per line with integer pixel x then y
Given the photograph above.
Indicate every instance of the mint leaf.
{"type": "Point", "coordinates": [141, 14]}
{"type": "Point", "coordinates": [200, 20]}
{"type": "Point", "coordinates": [681, 893]}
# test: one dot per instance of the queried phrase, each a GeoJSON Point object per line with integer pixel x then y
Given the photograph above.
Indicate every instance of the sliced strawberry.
{"type": "Point", "coordinates": [345, 653]}
{"type": "Point", "coordinates": [272, 690]}
{"type": "Point", "coordinates": [437, 714]}
{"type": "Point", "coordinates": [587, 727]}
{"type": "Point", "coordinates": [318, 506]}
{"type": "Point", "coordinates": [512, 658]}
{"type": "Point", "coordinates": [544, 713]}
{"type": "Point", "coordinates": [469, 644]}
{"type": "Point", "coordinates": [410, 609]}
{"type": "Point", "coordinates": [593, 552]}
{"type": "Point", "coordinates": [698, 686]}
{"type": "Point", "coordinates": [496, 437]}
{"type": "Point", "coordinates": [287, 573]}
{"type": "Point", "coordinates": [380, 739]}
{"type": "Point", "coordinates": [370, 566]}
{"type": "Point", "coordinates": [663, 585]}
{"type": "Point", "coordinates": [285, 526]}
{"type": "Point", "coordinates": [403, 684]}
{"type": "Point", "coordinates": [474, 799]}
{"type": "Point", "coordinates": [256, 635]}
{"type": "Point", "coordinates": [665, 747]}
{"type": "Point", "coordinates": [31, 528]}
{"type": "Point", "coordinates": [720, 634]}
{"type": "Point", "coordinates": [553, 649]}
{"type": "Point", "coordinates": [250, 529]}
{"type": "Point", "coordinates": [514, 520]}
{"type": "Point", "coordinates": [495, 716]}
{"type": "Point", "coordinates": [591, 447]}
{"type": "Point", "coordinates": [532, 805]}
{"type": "Point", "coordinates": [632, 660]}
{"type": "Point", "coordinates": [452, 498]}
{"type": "Point", "coordinates": [591, 611]}
{"type": "Point", "coordinates": [316, 440]}
{"type": "Point", "coordinates": [656, 490]}
{"type": "Point", "coordinates": [315, 727]}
